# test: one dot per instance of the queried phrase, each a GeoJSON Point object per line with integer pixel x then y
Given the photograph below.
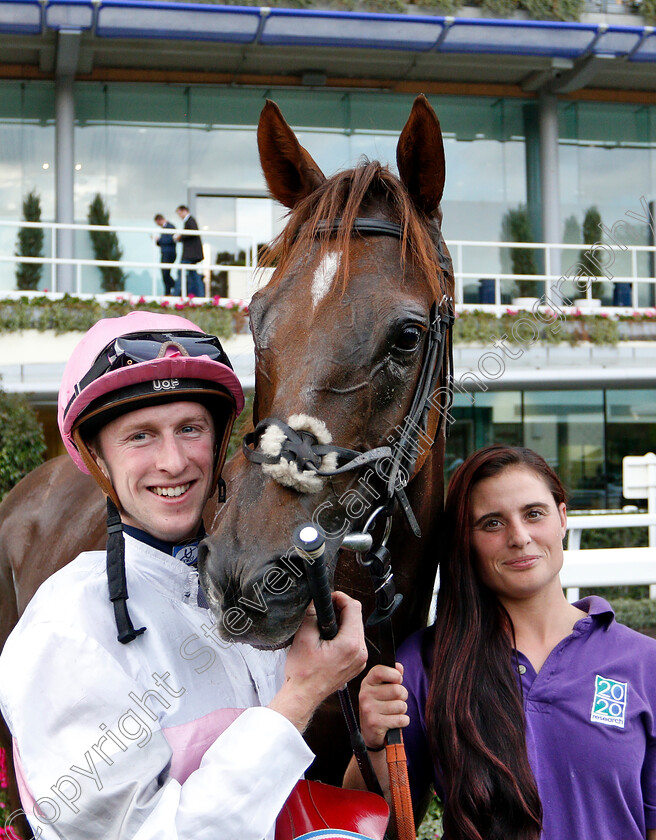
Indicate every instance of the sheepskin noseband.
{"type": "Point", "coordinates": [287, 472]}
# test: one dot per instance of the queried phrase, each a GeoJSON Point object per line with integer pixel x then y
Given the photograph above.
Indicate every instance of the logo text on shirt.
{"type": "Point", "coordinates": [609, 704]}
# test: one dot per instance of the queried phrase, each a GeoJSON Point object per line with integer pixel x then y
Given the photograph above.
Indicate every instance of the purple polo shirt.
{"type": "Point", "coordinates": [590, 728]}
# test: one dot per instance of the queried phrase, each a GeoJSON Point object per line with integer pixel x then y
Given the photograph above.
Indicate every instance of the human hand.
{"type": "Point", "coordinates": [382, 703]}
{"type": "Point", "coordinates": [317, 667]}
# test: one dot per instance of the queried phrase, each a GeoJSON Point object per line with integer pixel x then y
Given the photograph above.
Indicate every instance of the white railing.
{"type": "Point", "coordinates": [608, 566]}
{"type": "Point", "coordinates": [475, 262]}
{"type": "Point", "coordinates": [211, 247]}
{"type": "Point", "coordinates": [562, 267]}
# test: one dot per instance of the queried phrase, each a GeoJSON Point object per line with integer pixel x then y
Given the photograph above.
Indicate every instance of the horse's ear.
{"type": "Point", "coordinates": [420, 157]}
{"type": "Point", "coordinates": [290, 171]}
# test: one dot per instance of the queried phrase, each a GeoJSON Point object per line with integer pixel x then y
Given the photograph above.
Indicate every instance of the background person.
{"type": "Point", "coordinates": [166, 731]}
{"type": "Point", "coordinates": [168, 251]}
{"type": "Point", "coordinates": [533, 717]}
{"type": "Point", "coordinates": [192, 253]}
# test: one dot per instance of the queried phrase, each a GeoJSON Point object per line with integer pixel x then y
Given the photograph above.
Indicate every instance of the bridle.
{"type": "Point", "coordinates": [302, 448]}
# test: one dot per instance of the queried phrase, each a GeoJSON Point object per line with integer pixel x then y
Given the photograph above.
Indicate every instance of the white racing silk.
{"type": "Point", "coordinates": [145, 741]}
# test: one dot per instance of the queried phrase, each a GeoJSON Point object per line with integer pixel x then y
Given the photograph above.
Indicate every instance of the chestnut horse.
{"type": "Point", "coordinates": [340, 334]}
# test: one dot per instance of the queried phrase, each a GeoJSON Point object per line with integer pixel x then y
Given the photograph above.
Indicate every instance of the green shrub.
{"type": "Point", "coordinates": [242, 426]}
{"type": "Point", "coordinates": [516, 227]}
{"type": "Point", "coordinates": [30, 244]}
{"type": "Point", "coordinates": [106, 246]}
{"type": "Point", "coordinates": [554, 9]}
{"type": "Point", "coordinates": [431, 826]}
{"type": "Point", "coordinates": [22, 445]}
{"type": "Point", "coordinates": [591, 233]}
{"type": "Point", "coordinates": [638, 614]}
{"type": "Point", "coordinates": [647, 9]}
{"type": "Point", "coordinates": [71, 314]}
{"type": "Point", "coordinates": [500, 8]}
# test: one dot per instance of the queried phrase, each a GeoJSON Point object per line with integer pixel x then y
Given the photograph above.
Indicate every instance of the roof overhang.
{"type": "Point", "coordinates": [321, 46]}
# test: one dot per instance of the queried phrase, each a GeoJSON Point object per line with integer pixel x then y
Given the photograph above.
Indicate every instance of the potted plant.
{"type": "Point", "coordinates": [30, 244]}
{"type": "Point", "coordinates": [589, 265]}
{"type": "Point", "coordinates": [516, 227]}
{"type": "Point", "coordinates": [106, 246]}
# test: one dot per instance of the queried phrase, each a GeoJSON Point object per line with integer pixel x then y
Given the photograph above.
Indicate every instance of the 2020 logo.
{"type": "Point", "coordinates": [609, 704]}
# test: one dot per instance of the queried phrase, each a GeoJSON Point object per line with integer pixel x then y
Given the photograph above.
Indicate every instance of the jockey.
{"type": "Point", "coordinates": [143, 722]}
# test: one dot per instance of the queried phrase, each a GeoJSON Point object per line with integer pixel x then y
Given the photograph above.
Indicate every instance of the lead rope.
{"type": "Point", "coordinates": [378, 563]}
{"type": "Point", "coordinates": [310, 545]}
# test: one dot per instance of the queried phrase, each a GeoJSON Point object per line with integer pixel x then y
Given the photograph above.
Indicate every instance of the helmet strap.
{"type": "Point", "coordinates": [116, 578]}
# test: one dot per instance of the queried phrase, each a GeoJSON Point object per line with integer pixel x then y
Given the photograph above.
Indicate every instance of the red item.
{"type": "Point", "coordinates": [331, 812]}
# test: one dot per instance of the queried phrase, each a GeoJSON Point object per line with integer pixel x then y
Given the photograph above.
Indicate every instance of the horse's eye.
{"type": "Point", "coordinates": [408, 338]}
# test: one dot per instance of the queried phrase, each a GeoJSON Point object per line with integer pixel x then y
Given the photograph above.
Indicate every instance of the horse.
{"type": "Point", "coordinates": [342, 336]}
{"type": "Point", "coordinates": [340, 333]}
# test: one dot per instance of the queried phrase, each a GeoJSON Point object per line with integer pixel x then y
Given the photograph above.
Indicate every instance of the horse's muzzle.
{"type": "Point", "coordinates": [264, 606]}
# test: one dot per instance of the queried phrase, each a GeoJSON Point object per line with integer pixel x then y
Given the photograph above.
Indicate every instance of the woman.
{"type": "Point", "coordinates": [534, 718]}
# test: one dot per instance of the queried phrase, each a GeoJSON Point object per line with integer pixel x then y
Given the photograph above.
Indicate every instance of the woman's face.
{"type": "Point", "coordinates": [517, 533]}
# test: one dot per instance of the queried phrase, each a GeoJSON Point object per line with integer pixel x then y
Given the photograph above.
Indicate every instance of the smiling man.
{"type": "Point", "coordinates": [134, 722]}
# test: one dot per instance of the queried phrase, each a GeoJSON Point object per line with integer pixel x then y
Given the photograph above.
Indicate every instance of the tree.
{"type": "Point", "coordinates": [591, 235]}
{"type": "Point", "coordinates": [516, 227]}
{"type": "Point", "coordinates": [30, 244]}
{"type": "Point", "coordinates": [106, 246]}
{"type": "Point", "coordinates": [22, 445]}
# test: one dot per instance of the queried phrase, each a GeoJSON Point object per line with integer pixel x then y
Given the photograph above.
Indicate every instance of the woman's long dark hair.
{"type": "Point", "coordinates": [474, 711]}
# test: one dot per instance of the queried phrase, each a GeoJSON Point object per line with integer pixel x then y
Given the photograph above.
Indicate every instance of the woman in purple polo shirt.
{"type": "Point", "coordinates": [533, 718]}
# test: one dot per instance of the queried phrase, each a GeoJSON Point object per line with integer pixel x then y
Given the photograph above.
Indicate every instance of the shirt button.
{"type": "Point", "coordinates": [521, 669]}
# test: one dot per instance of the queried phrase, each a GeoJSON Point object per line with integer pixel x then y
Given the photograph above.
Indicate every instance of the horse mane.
{"type": "Point", "coordinates": [345, 196]}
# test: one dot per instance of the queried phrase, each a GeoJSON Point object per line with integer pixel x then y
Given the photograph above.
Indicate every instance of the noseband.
{"type": "Point", "coordinates": [302, 449]}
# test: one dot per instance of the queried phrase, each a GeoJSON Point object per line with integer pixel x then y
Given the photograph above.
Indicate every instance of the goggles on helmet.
{"type": "Point", "coordinates": [144, 347]}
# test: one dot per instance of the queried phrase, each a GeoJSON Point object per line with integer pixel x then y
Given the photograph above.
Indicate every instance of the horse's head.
{"type": "Point", "coordinates": [342, 333]}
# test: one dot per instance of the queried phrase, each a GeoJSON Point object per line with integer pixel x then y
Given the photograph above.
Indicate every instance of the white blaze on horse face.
{"type": "Point", "coordinates": [324, 274]}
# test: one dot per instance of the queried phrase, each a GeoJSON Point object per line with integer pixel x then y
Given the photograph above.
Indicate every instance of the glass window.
{"type": "Point", "coordinates": [567, 429]}
{"type": "Point", "coordinates": [27, 141]}
{"type": "Point", "coordinates": [482, 419]}
{"type": "Point", "coordinates": [630, 430]}
{"type": "Point", "coordinates": [607, 160]}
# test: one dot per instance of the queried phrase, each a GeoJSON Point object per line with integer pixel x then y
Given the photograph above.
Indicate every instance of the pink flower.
{"type": "Point", "coordinates": [3, 769]}
{"type": "Point", "coordinates": [179, 306]}
{"type": "Point", "coordinates": [164, 302]}
{"type": "Point", "coordinates": [142, 299]}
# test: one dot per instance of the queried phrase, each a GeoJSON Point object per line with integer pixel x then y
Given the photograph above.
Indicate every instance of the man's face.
{"type": "Point", "coordinates": [160, 461]}
{"type": "Point", "coordinates": [160, 221]}
{"type": "Point", "coordinates": [181, 213]}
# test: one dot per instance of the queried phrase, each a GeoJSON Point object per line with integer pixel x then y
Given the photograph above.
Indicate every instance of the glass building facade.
{"type": "Point", "coordinates": [582, 434]}
{"type": "Point", "coordinates": [148, 147]}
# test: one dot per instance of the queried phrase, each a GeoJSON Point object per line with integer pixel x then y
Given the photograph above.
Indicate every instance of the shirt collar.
{"type": "Point", "coordinates": [186, 551]}
{"type": "Point", "coordinates": [597, 608]}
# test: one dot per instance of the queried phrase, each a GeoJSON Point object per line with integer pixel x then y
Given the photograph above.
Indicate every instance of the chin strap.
{"type": "Point", "coordinates": [118, 587]}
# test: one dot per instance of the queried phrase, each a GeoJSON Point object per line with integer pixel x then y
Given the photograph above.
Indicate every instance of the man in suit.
{"type": "Point", "coordinates": [192, 253]}
{"type": "Point", "coordinates": [168, 251]}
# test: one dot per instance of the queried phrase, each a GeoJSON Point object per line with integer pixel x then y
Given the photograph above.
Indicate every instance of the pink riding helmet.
{"type": "Point", "coordinates": [140, 359]}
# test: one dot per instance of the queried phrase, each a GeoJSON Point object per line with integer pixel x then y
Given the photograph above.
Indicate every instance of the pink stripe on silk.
{"type": "Point", "coordinates": [27, 800]}
{"type": "Point", "coordinates": [190, 741]}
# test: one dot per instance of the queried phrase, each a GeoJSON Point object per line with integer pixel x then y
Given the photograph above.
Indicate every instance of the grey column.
{"type": "Point", "coordinates": [551, 232]}
{"type": "Point", "coordinates": [66, 64]}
